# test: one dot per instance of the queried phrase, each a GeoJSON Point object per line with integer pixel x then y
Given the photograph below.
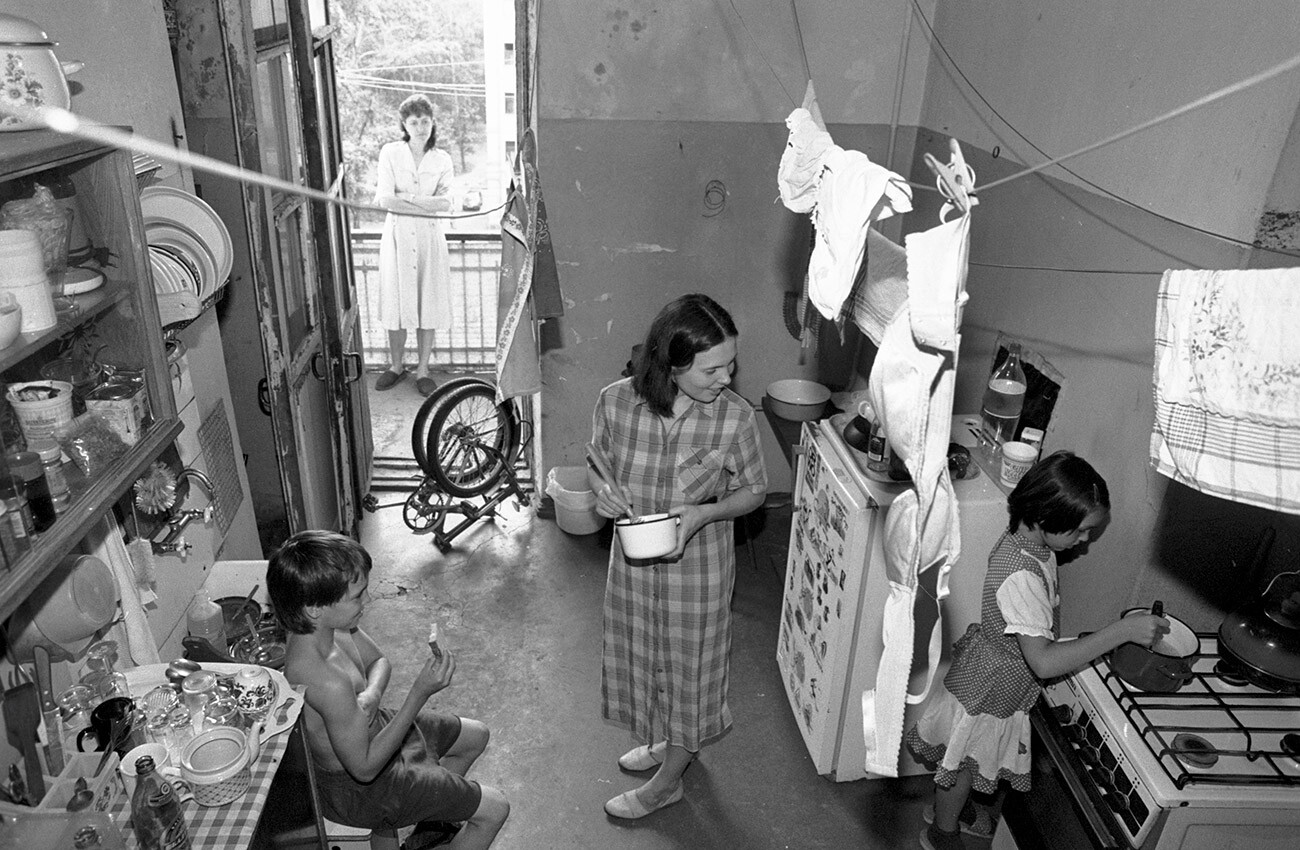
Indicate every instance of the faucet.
{"type": "Point", "coordinates": [173, 542]}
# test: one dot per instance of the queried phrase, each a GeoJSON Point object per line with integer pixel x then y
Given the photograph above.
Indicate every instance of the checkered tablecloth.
{"type": "Point", "coordinates": [233, 824]}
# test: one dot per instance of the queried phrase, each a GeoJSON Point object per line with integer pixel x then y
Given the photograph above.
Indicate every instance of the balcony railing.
{"type": "Point", "coordinates": [475, 265]}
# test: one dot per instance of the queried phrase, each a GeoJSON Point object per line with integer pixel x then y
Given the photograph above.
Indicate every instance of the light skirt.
{"type": "Point", "coordinates": [991, 748]}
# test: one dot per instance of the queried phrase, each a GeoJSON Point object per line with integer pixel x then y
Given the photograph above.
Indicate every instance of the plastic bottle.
{"type": "Point", "coordinates": [205, 620]}
{"type": "Point", "coordinates": [1004, 398]}
{"type": "Point", "coordinates": [156, 814]}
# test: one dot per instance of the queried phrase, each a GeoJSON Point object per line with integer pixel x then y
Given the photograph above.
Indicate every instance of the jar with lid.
{"type": "Point", "coordinates": [26, 467]}
{"type": "Point", "coordinates": [51, 456]}
{"type": "Point", "coordinates": [17, 513]}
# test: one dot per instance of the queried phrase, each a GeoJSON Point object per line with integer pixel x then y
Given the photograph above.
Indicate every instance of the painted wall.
{"type": "Point", "coordinates": [623, 83]}
{"type": "Point", "coordinates": [1065, 75]}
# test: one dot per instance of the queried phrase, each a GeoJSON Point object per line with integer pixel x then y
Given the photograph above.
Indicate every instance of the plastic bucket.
{"type": "Point", "coordinates": [575, 504]}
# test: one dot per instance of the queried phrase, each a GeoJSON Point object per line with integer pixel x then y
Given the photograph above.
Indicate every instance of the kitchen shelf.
{"type": "Point", "coordinates": [51, 546]}
{"type": "Point", "coordinates": [119, 325]}
{"type": "Point", "coordinates": [89, 307]}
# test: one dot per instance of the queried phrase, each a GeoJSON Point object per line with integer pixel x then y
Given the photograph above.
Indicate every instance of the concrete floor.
{"type": "Point", "coordinates": [519, 602]}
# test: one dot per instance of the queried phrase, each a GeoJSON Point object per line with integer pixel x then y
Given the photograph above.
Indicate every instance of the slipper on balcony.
{"type": "Point", "coordinates": [388, 380]}
{"type": "Point", "coordinates": [426, 386]}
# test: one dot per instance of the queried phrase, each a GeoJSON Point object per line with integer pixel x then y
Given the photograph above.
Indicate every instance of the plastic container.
{"type": "Point", "coordinates": [42, 407]}
{"type": "Point", "coordinates": [575, 504]}
{"type": "Point", "coordinates": [1017, 458]}
{"type": "Point", "coordinates": [206, 620]}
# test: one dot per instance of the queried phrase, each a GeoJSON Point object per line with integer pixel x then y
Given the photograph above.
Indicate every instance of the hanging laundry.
{"type": "Point", "coordinates": [1227, 384]}
{"type": "Point", "coordinates": [518, 369]}
{"type": "Point", "coordinates": [845, 192]}
{"type": "Point", "coordinates": [911, 389]}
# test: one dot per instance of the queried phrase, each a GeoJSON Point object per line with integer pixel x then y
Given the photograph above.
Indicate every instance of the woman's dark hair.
{"type": "Point", "coordinates": [312, 568]}
{"type": "Point", "coordinates": [683, 329]}
{"type": "Point", "coordinates": [1057, 494]}
{"type": "Point", "coordinates": [417, 104]}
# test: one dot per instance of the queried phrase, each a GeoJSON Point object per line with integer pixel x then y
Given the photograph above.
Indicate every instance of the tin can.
{"type": "Point", "coordinates": [124, 405]}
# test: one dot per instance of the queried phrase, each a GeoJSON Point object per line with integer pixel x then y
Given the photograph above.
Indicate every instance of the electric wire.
{"type": "Point", "coordinates": [938, 43]}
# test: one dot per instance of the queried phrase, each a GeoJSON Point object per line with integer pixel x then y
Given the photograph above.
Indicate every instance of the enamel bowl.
{"type": "Point", "coordinates": [796, 399]}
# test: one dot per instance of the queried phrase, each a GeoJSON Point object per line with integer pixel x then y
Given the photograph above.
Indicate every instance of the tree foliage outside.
{"type": "Point", "coordinates": [387, 50]}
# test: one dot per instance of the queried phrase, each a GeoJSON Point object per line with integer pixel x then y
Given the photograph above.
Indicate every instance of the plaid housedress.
{"type": "Point", "coordinates": [667, 624]}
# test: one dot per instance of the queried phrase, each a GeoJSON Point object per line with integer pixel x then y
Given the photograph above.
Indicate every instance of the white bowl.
{"type": "Point", "coordinates": [647, 537]}
{"type": "Point", "coordinates": [797, 400]}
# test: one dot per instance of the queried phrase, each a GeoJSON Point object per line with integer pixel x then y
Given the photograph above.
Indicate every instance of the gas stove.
{"type": "Point", "coordinates": [1219, 750]}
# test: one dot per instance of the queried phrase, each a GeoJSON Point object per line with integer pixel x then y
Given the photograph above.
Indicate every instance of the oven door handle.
{"type": "Point", "coordinates": [1067, 767]}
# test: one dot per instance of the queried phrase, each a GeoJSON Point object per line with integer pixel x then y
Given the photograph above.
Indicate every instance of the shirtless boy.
{"type": "Point", "coordinates": [377, 769]}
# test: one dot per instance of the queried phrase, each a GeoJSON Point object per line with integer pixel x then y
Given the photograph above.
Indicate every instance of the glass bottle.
{"type": "Point", "coordinates": [26, 467]}
{"type": "Point", "coordinates": [16, 512]}
{"type": "Point", "coordinates": [156, 814]}
{"type": "Point", "coordinates": [1004, 398]}
{"type": "Point", "coordinates": [52, 462]}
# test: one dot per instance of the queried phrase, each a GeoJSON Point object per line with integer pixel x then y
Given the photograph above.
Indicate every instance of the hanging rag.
{"type": "Point", "coordinates": [1227, 384]}
{"type": "Point", "coordinates": [548, 301]}
{"type": "Point", "coordinates": [133, 635]}
{"type": "Point", "coordinates": [518, 370]}
{"type": "Point", "coordinates": [845, 192]}
{"type": "Point", "coordinates": [911, 388]}
{"type": "Point", "coordinates": [878, 298]}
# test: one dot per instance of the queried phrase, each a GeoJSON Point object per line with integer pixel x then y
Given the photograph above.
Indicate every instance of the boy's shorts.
{"type": "Point", "coordinates": [412, 787]}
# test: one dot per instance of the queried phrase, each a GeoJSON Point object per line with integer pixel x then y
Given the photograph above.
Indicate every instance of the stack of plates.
{"type": "Point", "coordinates": [189, 246]}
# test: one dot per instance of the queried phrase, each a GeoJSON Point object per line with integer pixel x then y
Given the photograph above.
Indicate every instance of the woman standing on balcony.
{"type": "Point", "coordinates": [414, 267]}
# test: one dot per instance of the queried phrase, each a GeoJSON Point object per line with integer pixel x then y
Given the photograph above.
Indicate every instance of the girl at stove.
{"type": "Point", "coordinates": [977, 731]}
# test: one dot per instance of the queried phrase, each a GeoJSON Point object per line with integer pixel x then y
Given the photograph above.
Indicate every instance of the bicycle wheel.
{"type": "Point", "coordinates": [424, 417]}
{"type": "Point", "coordinates": [472, 439]}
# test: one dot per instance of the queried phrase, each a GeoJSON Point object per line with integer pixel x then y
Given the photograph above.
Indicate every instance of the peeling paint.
{"type": "Point", "coordinates": [644, 248]}
{"type": "Point", "coordinates": [604, 297]}
{"type": "Point", "coordinates": [609, 328]}
{"type": "Point", "coordinates": [578, 185]}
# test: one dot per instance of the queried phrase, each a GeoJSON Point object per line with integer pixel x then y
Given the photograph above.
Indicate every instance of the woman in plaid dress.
{"type": "Point", "coordinates": [678, 441]}
{"type": "Point", "coordinates": [977, 732]}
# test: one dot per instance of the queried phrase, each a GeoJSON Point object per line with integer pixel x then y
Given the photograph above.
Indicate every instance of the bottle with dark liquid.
{"type": "Point", "coordinates": [156, 812]}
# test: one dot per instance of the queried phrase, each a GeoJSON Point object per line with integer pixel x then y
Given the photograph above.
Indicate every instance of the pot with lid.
{"type": "Point", "coordinates": [1262, 635]}
{"type": "Point", "coordinates": [31, 75]}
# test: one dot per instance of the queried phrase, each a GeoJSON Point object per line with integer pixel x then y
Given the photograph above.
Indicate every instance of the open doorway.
{"type": "Point", "coordinates": [459, 54]}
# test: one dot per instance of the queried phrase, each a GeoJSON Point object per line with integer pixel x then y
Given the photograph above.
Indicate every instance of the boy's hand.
{"type": "Point", "coordinates": [436, 674]}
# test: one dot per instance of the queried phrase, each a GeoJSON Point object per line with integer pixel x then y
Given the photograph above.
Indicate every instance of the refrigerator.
{"type": "Point", "coordinates": [830, 640]}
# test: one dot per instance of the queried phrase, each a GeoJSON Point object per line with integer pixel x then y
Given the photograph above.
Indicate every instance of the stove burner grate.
{"type": "Point", "coordinates": [1230, 674]}
{"type": "Point", "coordinates": [1291, 745]}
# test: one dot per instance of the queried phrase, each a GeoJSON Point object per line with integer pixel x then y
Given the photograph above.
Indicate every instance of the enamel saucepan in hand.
{"type": "Point", "coordinates": [1164, 667]}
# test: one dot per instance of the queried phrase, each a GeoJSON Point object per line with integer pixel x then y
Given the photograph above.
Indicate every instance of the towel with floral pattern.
{"type": "Point", "coordinates": [1227, 384]}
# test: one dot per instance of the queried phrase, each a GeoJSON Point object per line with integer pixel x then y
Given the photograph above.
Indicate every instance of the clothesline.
{"type": "Point", "coordinates": [63, 121]}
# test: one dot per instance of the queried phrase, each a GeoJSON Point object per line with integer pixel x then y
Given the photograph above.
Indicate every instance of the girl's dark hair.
{"type": "Point", "coordinates": [312, 568]}
{"type": "Point", "coordinates": [1057, 494]}
{"type": "Point", "coordinates": [417, 104]}
{"type": "Point", "coordinates": [683, 329]}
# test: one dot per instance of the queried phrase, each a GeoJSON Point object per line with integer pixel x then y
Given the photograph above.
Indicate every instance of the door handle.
{"type": "Point", "coordinates": [353, 366]}
{"type": "Point", "coordinates": [317, 366]}
{"type": "Point", "coordinates": [264, 397]}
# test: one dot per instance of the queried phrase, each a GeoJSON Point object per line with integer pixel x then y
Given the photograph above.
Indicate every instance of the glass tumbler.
{"type": "Point", "coordinates": [74, 706]}
{"type": "Point", "coordinates": [223, 711]}
{"type": "Point", "coordinates": [180, 731]}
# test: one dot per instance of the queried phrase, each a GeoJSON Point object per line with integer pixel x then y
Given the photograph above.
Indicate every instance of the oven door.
{"type": "Point", "coordinates": [1064, 809]}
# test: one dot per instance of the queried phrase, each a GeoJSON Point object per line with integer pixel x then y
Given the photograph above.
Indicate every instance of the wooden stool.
{"type": "Point", "coordinates": [340, 837]}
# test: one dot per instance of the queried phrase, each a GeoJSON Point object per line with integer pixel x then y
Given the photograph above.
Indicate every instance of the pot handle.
{"type": "Point", "coordinates": [1158, 608]}
{"type": "Point", "coordinates": [1181, 673]}
{"type": "Point", "coordinates": [72, 67]}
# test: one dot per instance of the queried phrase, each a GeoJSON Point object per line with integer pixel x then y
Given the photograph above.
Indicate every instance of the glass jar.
{"type": "Point", "coordinates": [74, 706]}
{"type": "Point", "coordinates": [222, 711]}
{"type": "Point", "coordinates": [198, 689]}
{"type": "Point", "coordinates": [52, 461]}
{"type": "Point", "coordinates": [26, 466]}
{"type": "Point", "coordinates": [180, 731]}
{"type": "Point", "coordinates": [19, 516]}
{"type": "Point", "coordinates": [160, 700]}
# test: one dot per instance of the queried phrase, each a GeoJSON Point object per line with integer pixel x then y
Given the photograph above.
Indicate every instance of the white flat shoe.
{"type": "Point", "coordinates": [642, 757]}
{"type": "Point", "coordinates": [629, 806]}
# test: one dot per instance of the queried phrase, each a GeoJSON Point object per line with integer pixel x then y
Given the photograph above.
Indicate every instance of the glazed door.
{"type": "Point", "coordinates": [300, 262]}
{"type": "Point", "coordinates": [340, 362]}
